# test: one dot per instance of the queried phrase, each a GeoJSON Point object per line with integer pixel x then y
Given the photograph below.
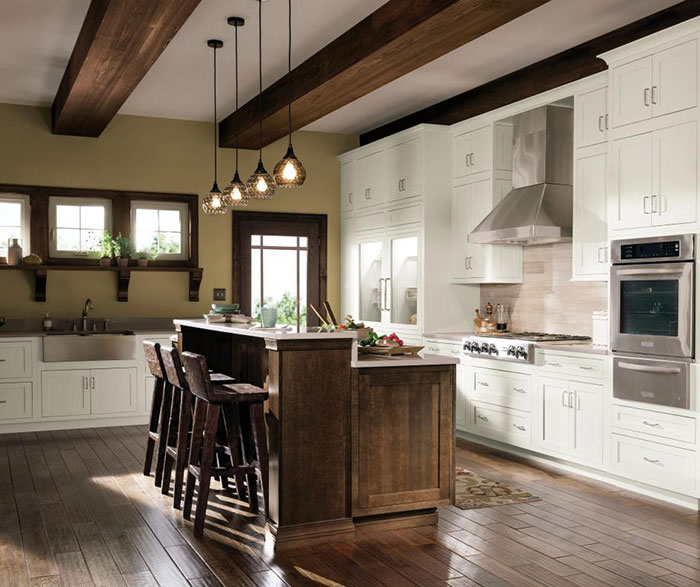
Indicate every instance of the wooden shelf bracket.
{"type": "Point", "coordinates": [195, 282]}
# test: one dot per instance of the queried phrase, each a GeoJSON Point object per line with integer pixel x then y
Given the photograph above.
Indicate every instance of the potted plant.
{"type": "Point", "coordinates": [123, 249]}
{"type": "Point", "coordinates": [143, 257]}
{"type": "Point", "coordinates": [106, 248]}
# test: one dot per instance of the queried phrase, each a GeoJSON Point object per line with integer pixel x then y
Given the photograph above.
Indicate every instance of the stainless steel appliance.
{"type": "Point", "coordinates": [652, 318]}
{"type": "Point", "coordinates": [512, 346]}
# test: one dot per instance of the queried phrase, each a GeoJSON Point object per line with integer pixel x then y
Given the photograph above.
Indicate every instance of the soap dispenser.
{"type": "Point", "coordinates": [47, 323]}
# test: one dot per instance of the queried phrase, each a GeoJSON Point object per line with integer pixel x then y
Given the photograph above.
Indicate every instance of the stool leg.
{"type": "Point", "coordinates": [210, 428]}
{"type": "Point", "coordinates": [250, 456]}
{"type": "Point", "coordinates": [182, 433]}
{"type": "Point", "coordinates": [233, 436]}
{"type": "Point", "coordinates": [163, 435]}
{"type": "Point", "coordinates": [200, 412]}
{"type": "Point", "coordinates": [257, 416]}
{"type": "Point", "coordinates": [173, 428]}
{"type": "Point", "coordinates": [153, 424]}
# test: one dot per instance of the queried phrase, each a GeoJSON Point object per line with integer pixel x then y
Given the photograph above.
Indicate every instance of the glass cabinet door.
{"type": "Point", "coordinates": [403, 280]}
{"type": "Point", "coordinates": [371, 282]}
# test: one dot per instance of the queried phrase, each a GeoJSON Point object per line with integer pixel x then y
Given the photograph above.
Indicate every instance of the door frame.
{"type": "Point", "coordinates": [278, 220]}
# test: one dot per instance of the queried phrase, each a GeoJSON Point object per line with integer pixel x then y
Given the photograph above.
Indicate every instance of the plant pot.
{"type": "Point", "coordinates": [105, 261]}
{"type": "Point", "coordinates": [142, 262]}
{"type": "Point", "coordinates": [123, 261]}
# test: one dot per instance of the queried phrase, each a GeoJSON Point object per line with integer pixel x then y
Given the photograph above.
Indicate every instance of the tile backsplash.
{"type": "Point", "coordinates": [547, 300]}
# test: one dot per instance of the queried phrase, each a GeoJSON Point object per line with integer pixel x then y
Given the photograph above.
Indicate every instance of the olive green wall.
{"type": "Point", "coordinates": [163, 155]}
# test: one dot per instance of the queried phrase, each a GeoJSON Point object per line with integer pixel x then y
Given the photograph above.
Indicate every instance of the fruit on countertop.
{"type": "Point", "coordinates": [387, 340]}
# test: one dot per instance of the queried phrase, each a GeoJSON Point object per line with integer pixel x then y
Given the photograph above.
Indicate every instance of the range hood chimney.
{"type": "Point", "coordinates": [539, 208]}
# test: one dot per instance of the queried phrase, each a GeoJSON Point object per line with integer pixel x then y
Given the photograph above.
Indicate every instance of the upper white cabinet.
{"type": "Point", "coordinates": [472, 152]}
{"type": "Point", "coordinates": [655, 85]}
{"type": "Point", "coordinates": [347, 180]}
{"type": "Point", "coordinates": [590, 252]}
{"type": "Point", "coordinates": [370, 179]}
{"type": "Point", "coordinates": [591, 118]}
{"type": "Point", "coordinates": [404, 169]}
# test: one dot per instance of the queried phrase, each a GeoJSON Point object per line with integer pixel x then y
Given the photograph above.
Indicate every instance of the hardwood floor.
{"type": "Point", "coordinates": [76, 510]}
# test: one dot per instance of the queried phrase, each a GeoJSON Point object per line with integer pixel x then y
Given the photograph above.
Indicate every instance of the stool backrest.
{"type": "Point", "coordinates": [154, 360]}
{"type": "Point", "coordinates": [197, 375]}
{"type": "Point", "coordinates": [173, 368]}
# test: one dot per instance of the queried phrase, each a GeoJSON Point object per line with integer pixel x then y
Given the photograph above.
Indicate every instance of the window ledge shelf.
{"type": "Point", "coordinates": [123, 276]}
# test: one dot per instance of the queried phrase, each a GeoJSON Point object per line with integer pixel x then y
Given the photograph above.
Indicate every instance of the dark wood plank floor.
{"type": "Point", "coordinates": [76, 510]}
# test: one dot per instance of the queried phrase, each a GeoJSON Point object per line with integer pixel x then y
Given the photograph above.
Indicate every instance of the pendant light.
{"type": "Point", "coordinates": [235, 194]}
{"type": "Point", "coordinates": [213, 202]}
{"type": "Point", "coordinates": [261, 185]}
{"type": "Point", "coordinates": [289, 172]}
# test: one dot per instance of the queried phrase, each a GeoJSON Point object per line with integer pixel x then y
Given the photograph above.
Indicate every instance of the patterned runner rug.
{"type": "Point", "coordinates": [473, 491]}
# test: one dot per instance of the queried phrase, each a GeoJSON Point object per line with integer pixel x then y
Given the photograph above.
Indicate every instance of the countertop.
{"type": "Point", "coordinates": [366, 361]}
{"type": "Point", "coordinates": [260, 333]}
{"type": "Point", "coordinates": [41, 333]}
{"type": "Point", "coordinates": [570, 347]}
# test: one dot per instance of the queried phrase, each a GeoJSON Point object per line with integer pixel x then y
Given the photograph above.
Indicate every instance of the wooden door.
{"type": "Point", "coordinates": [591, 121]}
{"type": "Point", "coordinates": [65, 393]}
{"type": "Point", "coordinates": [113, 391]}
{"type": "Point", "coordinates": [631, 86]}
{"type": "Point", "coordinates": [675, 74]}
{"type": "Point", "coordinates": [403, 438]}
{"type": "Point", "coordinates": [631, 188]}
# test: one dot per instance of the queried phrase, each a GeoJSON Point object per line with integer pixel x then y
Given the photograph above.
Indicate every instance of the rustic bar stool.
{"type": "Point", "coordinates": [244, 426]}
{"type": "Point", "coordinates": [160, 410]}
{"type": "Point", "coordinates": [180, 423]}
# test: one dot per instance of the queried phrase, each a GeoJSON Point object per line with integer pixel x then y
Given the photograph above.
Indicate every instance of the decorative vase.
{"type": "Point", "coordinates": [142, 262]}
{"type": "Point", "coordinates": [14, 252]}
{"type": "Point", "coordinates": [268, 317]}
{"type": "Point", "coordinates": [123, 261]}
{"type": "Point", "coordinates": [105, 261]}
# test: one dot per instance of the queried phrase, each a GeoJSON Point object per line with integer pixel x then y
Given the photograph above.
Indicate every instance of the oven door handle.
{"type": "Point", "coordinates": [648, 369]}
{"type": "Point", "coordinates": [649, 271]}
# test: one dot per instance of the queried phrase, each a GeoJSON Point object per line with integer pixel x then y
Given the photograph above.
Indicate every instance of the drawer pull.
{"type": "Point", "coordinates": [483, 383]}
{"type": "Point", "coordinates": [585, 368]}
{"type": "Point", "coordinates": [553, 364]}
{"type": "Point", "coordinates": [519, 389]}
{"type": "Point", "coordinates": [4, 401]}
{"type": "Point", "coordinates": [519, 427]}
{"type": "Point", "coordinates": [484, 418]}
{"type": "Point", "coordinates": [652, 424]}
{"type": "Point", "coordinates": [655, 461]}
{"type": "Point", "coordinates": [3, 360]}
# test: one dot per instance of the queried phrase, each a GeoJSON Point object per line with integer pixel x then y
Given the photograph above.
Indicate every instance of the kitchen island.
{"type": "Point", "coordinates": [355, 443]}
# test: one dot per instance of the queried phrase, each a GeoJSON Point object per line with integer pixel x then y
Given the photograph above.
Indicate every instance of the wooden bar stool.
{"type": "Point", "coordinates": [180, 423]}
{"type": "Point", "coordinates": [244, 427]}
{"type": "Point", "coordinates": [160, 410]}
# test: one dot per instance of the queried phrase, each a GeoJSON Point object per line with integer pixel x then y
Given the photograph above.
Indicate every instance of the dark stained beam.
{"type": "Point", "coordinates": [563, 68]}
{"type": "Point", "coordinates": [394, 40]}
{"type": "Point", "coordinates": [118, 43]}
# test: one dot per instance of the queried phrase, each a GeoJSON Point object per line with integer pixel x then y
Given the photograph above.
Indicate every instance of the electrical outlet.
{"type": "Point", "coordinates": [219, 294]}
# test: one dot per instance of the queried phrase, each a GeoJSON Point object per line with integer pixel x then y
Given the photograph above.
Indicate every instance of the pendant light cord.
{"type": "Point", "coordinates": [216, 125]}
{"type": "Point", "coordinates": [260, 72]}
{"type": "Point", "coordinates": [289, 73]}
{"type": "Point", "coordinates": [235, 37]}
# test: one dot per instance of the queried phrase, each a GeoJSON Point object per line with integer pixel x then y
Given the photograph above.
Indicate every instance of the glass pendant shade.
{"type": "Point", "coordinates": [213, 202]}
{"type": "Point", "coordinates": [235, 194]}
{"type": "Point", "coordinates": [261, 185]}
{"type": "Point", "coordinates": [289, 172]}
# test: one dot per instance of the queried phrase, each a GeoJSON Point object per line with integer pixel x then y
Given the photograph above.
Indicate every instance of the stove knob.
{"type": "Point", "coordinates": [466, 346]}
{"type": "Point", "coordinates": [521, 353]}
{"type": "Point", "coordinates": [511, 351]}
{"type": "Point", "coordinates": [493, 350]}
{"type": "Point", "coordinates": [485, 348]}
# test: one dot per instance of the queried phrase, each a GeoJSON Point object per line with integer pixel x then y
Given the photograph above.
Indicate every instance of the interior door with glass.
{"type": "Point", "coordinates": [402, 279]}
{"type": "Point", "coordinates": [372, 281]}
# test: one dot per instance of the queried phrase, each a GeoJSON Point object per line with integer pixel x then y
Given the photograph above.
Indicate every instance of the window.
{"type": "Point", "coordinates": [77, 226]}
{"type": "Point", "coordinates": [160, 228]}
{"type": "Point", "coordinates": [14, 221]}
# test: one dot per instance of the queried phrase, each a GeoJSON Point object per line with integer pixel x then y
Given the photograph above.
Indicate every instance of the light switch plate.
{"type": "Point", "coordinates": [219, 294]}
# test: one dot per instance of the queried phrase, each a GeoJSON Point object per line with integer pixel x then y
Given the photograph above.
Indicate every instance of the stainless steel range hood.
{"type": "Point", "coordinates": [539, 209]}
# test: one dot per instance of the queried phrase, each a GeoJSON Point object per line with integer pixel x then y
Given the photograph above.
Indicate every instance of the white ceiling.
{"type": "Point", "coordinates": [37, 37]}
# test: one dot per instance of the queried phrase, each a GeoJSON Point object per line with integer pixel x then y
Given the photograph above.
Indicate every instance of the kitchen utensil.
{"type": "Point", "coordinates": [329, 312]}
{"type": "Point", "coordinates": [315, 311]}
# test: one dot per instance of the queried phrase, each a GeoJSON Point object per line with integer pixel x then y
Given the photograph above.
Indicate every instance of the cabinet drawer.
{"type": "Point", "coordinates": [502, 389]}
{"type": "Point", "coordinates": [444, 349]}
{"type": "Point", "coordinates": [653, 463]}
{"type": "Point", "coordinates": [407, 215]}
{"type": "Point", "coordinates": [15, 401]}
{"type": "Point", "coordinates": [502, 424]}
{"type": "Point", "coordinates": [15, 360]}
{"type": "Point", "coordinates": [369, 222]}
{"type": "Point", "coordinates": [670, 426]}
{"type": "Point", "coordinates": [581, 366]}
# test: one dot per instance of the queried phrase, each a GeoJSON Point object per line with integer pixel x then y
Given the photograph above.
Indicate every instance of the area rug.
{"type": "Point", "coordinates": [474, 491]}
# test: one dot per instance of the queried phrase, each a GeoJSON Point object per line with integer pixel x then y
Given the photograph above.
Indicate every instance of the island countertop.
{"type": "Point", "coordinates": [276, 334]}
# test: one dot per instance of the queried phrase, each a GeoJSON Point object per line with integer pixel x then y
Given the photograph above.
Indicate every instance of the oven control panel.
{"type": "Point", "coordinates": [503, 349]}
{"type": "Point", "coordinates": [655, 250]}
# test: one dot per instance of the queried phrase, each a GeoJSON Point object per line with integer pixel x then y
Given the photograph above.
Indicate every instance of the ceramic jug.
{"type": "Point", "coordinates": [14, 252]}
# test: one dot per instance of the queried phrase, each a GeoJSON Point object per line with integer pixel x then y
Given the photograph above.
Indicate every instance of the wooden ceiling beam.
{"type": "Point", "coordinates": [562, 68]}
{"type": "Point", "coordinates": [396, 39]}
{"type": "Point", "coordinates": [118, 43]}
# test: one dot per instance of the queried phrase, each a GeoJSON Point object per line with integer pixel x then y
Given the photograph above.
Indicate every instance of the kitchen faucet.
{"type": "Point", "coordinates": [86, 309]}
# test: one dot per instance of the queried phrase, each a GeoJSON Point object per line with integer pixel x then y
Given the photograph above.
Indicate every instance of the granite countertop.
{"type": "Point", "coordinates": [364, 361]}
{"type": "Point", "coordinates": [261, 333]}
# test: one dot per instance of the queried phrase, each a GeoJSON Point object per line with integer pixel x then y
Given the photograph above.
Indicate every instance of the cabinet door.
{"type": "Point", "coordinates": [370, 280]}
{"type": "Point", "coordinates": [396, 170]}
{"type": "Point", "coordinates": [675, 79]}
{"type": "Point", "coordinates": [348, 268]}
{"type": "Point", "coordinates": [587, 426]}
{"type": "Point", "coordinates": [590, 227]}
{"type": "Point", "coordinates": [554, 415]}
{"type": "Point", "coordinates": [403, 280]}
{"type": "Point", "coordinates": [404, 170]}
{"type": "Point", "coordinates": [461, 148]}
{"type": "Point", "coordinates": [378, 181]}
{"type": "Point", "coordinates": [113, 391]}
{"type": "Point", "coordinates": [461, 412]}
{"type": "Point", "coordinates": [480, 204]}
{"type": "Point", "coordinates": [631, 87]}
{"type": "Point", "coordinates": [65, 393]}
{"type": "Point", "coordinates": [347, 179]}
{"type": "Point", "coordinates": [481, 155]}
{"type": "Point", "coordinates": [15, 401]}
{"type": "Point", "coordinates": [591, 121]}
{"type": "Point", "coordinates": [460, 223]}
{"type": "Point", "coordinates": [675, 169]}
{"type": "Point", "coordinates": [631, 187]}
{"type": "Point", "coordinates": [503, 147]}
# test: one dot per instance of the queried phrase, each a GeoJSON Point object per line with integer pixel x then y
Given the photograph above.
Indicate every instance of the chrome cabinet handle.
{"type": "Point", "coordinates": [577, 401]}
{"type": "Point", "coordinates": [648, 369]}
{"type": "Point", "coordinates": [387, 280]}
{"type": "Point", "coordinates": [654, 207]}
{"type": "Point", "coordinates": [519, 389]}
{"type": "Point", "coordinates": [606, 121]}
{"type": "Point", "coordinates": [600, 250]}
{"type": "Point", "coordinates": [3, 360]}
{"type": "Point", "coordinates": [601, 123]}
{"type": "Point", "coordinates": [85, 382]}
{"type": "Point", "coordinates": [4, 401]}
{"type": "Point", "coordinates": [466, 159]}
{"type": "Point", "coordinates": [467, 263]}
{"type": "Point", "coordinates": [653, 94]}
{"type": "Point", "coordinates": [483, 383]}
{"type": "Point", "coordinates": [652, 424]}
{"type": "Point", "coordinates": [484, 418]}
{"type": "Point", "coordinates": [553, 364]}
{"type": "Point", "coordinates": [367, 193]}
{"type": "Point", "coordinates": [585, 368]}
{"type": "Point", "coordinates": [519, 427]}
{"type": "Point", "coordinates": [646, 96]}
{"type": "Point", "coordinates": [564, 399]}
{"type": "Point", "coordinates": [381, 293]}
{"type": "Point", "coordinates": [92, 383]}
{"type": "Point", "coordinates": [350, 197]}
{"type": "Point", "coordinates": [471, 159]}
{"type": "Point", "coordinates": [648, 460]}
{"type": "Point", "coordinates": [644, 204]}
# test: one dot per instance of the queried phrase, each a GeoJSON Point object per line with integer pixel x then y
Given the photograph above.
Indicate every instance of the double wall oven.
{"type": "Point", "coordinates": [652, 319]}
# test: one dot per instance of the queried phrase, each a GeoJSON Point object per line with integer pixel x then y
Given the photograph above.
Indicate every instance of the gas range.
{"type": "Point", "coordinates": [512, 346]}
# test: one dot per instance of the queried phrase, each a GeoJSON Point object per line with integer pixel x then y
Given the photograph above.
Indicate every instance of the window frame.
{"type": "Point", "coordinates": [25, 228]}
{"type": "Point", "coordinates": [55, 201]}
{"type": "Point", "coordinates": [181, 207]}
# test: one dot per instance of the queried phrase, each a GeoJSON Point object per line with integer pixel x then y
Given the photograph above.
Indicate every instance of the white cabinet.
{"type": "Point", "coordinates": [404, 169]}
{"type": "Point", "coordinates": [113, 391]}
{"type": "Point", "coordinates": [15, 359]}
{"type": "Point", "coordinates": [370, 179]}
{"type": "Point", "coordinates": [472, 152]}
{"type": "Point", "coordinates": [65, 393]}
{"type": "Point", "coordinates": [571, 419]}
{"type": "Point", "coordinates": [15, 401]}
{"type": "Point", "coordinates": [591, 118]}
{"type": "Point", "coordinates": [462, 400]}
{"type": "Point", "coordinates": [654, 178]}
{"type": "Point", "coordinates": [347, 183]}
{"type": "Point", "coordinates": [655, 85]}
{"type": "Point", "coordinates": [590, 229]}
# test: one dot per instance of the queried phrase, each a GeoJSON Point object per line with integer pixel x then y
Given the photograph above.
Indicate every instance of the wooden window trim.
{"type": "Point", "coordinates": [121, 218]}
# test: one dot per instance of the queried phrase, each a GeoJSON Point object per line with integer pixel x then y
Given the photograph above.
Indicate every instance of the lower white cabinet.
{"type": "Point", "coordinates": [81, 392]}
{"type": "Point", "coordinates": [15, 401]}
{"type": "Point", "coordinates": [502, 424]}
{"type": "Point", "coordinates": [571, 419]}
